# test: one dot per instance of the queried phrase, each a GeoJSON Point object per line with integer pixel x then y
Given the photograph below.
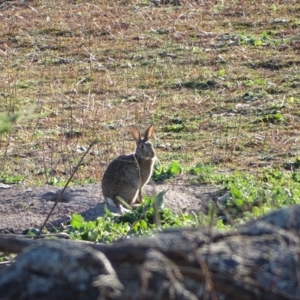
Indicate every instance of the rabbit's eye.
{"type": "Point", "coordinates": [142, 146]}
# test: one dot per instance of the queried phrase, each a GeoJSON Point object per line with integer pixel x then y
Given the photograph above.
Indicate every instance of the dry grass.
{"type": "Point", "coordinates": [227, 71]}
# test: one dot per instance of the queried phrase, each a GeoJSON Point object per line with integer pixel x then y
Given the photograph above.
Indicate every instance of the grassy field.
{"type": "Point", "coordinates": [218, 79]}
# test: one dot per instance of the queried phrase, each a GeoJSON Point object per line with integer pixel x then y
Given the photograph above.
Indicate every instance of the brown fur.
{"type": "Point", "coordinates": [126, 175]}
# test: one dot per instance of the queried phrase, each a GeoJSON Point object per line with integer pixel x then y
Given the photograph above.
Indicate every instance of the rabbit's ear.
{"type": "Point", "coordinates": [148, 133]}
{"type": "Point", "coordinates": [135, 133]}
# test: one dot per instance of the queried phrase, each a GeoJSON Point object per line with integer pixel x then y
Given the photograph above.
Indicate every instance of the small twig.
{"type": "Point", "coordinates": [66, 185]}
{"type": "Point", "coordinates": [60, 235]}
{"type": "Point", "coordinates": [233, 146]}
{"type": "Point", "coordinates": [157, 205]}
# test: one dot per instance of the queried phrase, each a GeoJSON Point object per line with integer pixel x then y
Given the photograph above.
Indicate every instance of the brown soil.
{"type": "Point", "coordinates": [22, 208]}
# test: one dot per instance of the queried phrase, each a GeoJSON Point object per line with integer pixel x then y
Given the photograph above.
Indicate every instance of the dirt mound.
{"type": "Point", "coordinates": [23, 207]}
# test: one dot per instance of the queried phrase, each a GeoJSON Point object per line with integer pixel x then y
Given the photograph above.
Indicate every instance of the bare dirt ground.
{"type": "Point", "coordinates": [22, 207]}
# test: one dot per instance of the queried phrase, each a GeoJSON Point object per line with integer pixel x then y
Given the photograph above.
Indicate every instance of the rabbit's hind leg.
{"type": "Point", "coordinates": [110, 202]}
{"type": "Point", "coordinates": [120, 208]}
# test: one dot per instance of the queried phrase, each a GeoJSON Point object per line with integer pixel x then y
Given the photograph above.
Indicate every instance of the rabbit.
{"type": "Point", "coordinates": [126, 175]}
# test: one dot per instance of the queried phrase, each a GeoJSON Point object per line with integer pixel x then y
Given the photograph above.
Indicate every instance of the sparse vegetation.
{"type": "Point", "coordinates": [148, 218]}
{"type": "Point", "coordinates": [249, 196]}
{"type": "Point", "coordinates": [220, 81]}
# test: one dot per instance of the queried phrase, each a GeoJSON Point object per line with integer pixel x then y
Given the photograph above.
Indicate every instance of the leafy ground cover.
{"type": "Point", "coordinates": [220, 81]}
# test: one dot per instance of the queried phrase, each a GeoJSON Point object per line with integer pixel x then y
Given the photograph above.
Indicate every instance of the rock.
{"type": "Point", "coordinates": [52, 196]}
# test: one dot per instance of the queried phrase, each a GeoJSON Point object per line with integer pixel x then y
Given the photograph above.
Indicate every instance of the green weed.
{"type": "Point", "coordinates": [148, 218]}
{"type": "Point", "coordinates": [162, 172]}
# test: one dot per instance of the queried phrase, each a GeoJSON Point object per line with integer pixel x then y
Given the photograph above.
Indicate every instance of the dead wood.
{"type": "Point", "coordinates": [258, 261]}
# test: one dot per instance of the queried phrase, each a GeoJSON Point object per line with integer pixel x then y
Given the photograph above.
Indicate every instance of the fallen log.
{"type": "Point", "coordinates": [258, 260]}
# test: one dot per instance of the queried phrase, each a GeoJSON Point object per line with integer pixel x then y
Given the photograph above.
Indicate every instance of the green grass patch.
{"type": "Point", "coordinates": [249, 197]}
{"type": "Point", "coordinates": [149, 218]}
